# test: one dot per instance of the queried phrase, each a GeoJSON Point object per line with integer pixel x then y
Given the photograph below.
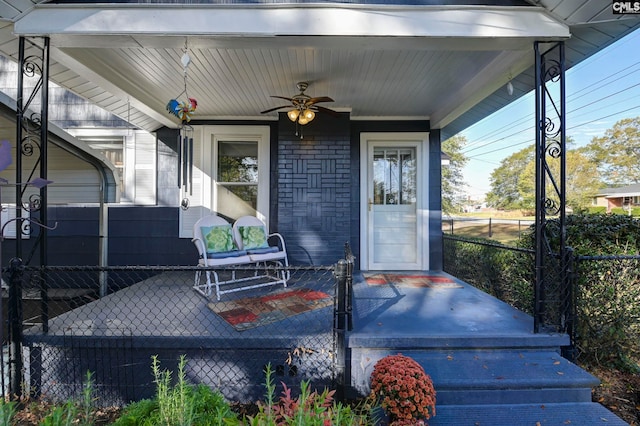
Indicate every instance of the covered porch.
{"type": "Point", "coordinates": [483, 356]}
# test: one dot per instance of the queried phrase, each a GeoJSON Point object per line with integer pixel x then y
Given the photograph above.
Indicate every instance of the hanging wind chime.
{"type": "Point", "coordinates": [183, 110]}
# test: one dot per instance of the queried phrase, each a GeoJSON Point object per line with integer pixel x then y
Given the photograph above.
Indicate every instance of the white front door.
{"type": "Point", "coordinates": [392, 212]}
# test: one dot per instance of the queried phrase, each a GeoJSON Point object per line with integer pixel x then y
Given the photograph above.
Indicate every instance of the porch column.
{"type": "Point", "coordinates": [551, 269]}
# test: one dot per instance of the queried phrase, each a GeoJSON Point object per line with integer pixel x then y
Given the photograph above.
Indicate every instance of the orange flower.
{"type": "Point", "coordinates": [403, 389]}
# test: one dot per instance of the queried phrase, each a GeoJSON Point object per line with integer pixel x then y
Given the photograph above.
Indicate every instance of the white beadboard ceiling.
{"type": "Point", "coordinates": [444, 63]}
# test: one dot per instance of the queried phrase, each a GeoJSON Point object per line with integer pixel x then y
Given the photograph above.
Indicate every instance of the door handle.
{"type": "Point", "coordinates": [370, 203]}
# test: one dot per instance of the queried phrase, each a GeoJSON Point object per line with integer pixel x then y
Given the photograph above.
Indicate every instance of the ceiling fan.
{"type": "Point", "coordinates": [303, 108]}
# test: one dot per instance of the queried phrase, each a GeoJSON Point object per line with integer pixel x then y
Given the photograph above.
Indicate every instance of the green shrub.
{"type": "Point", "coordinates": [7, 411]}
{"type": "Point", "coordinates": [62, 415]}
{"type": "Point", "coordinates": [495, 269]}
{"type": "Point", "coordinates": [181, 404]}
{"type": "Point", "coordinates": [598, 234]}
{"type": "Point", "coordinates": [607, 290]}
{"type": "Point", "coordinates": [608, 310]}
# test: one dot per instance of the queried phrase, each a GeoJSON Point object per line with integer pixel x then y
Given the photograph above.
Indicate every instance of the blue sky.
{"type": "Point", "coordinates": [600, 91]}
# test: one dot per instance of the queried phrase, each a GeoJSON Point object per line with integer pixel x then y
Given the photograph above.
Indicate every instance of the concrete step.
{"type": "Point", "coordinates": [495, 376]}
{"type": "Point", "coordinates": [401, 341]}
{"type": "Point", "coordinates": [562, 414]}
{"type": "Point", "coordinates": [505, 377]}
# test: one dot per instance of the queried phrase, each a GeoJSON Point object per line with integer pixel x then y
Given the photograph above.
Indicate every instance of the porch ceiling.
{"type": "Point", "coordinates": [448, 64]}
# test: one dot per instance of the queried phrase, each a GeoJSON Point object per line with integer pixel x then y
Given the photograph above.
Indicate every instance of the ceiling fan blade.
{"type": "Point", "coordinates": [273, 109]}
{"type": "Point", "coordinates": [327, 110]}
{"type": "Point", "coordinates": [318, 99]}
{"type": "Point", "coordinates": [282, 97]}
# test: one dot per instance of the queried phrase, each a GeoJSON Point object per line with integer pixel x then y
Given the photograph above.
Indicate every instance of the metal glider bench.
{"type": "Point", "coordinates": [246, 242]}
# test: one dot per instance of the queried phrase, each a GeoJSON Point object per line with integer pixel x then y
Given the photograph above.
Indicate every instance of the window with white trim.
{"type": "Point", "coordinates": [231, 174]}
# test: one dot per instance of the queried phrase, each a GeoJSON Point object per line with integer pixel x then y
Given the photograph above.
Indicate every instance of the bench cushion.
{"type": "Point", "coordinates": [218, 239]}
{"type": "Point", "coordinates": [253, 237]}
{"type": "Point", "coordinates": [225, 254]}
{"type": "Point", "coordinates": [264, 250]}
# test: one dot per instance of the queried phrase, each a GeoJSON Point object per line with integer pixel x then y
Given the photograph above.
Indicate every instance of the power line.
{"type": "Point", "coordinates": [530, 116]}
{"type": "Point", "coordinates": [587, 90]}
{"type": "Point", "coordinates": [568, 128]}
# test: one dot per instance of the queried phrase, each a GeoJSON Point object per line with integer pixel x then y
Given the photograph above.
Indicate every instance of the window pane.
{"type": "Point", "coordinates": [408, 171]}
{"type": "Point", "coordinates": [238, 162]}
{"type": "Point", "coordinates": [238, 199]}
{"type": "Point", "coordinates": [394, 174]}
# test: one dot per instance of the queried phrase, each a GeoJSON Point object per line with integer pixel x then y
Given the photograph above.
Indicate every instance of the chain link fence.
{"type": "Point", "coordinates": [608, 309]}
{"type": "Point", "coordinates": [599, 308]}
{"type": "Point", "coordinates": [111, 322]}
{"type": "Point", "coordinates": [506, 273]}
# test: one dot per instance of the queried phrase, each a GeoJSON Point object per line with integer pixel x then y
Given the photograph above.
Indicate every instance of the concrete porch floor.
{"type": "Point", "coordinates": [438, 317]}
{"type": "Point", "coordinates": [486, 363]}
{"type": "Point", "coordinates": [434, 325]}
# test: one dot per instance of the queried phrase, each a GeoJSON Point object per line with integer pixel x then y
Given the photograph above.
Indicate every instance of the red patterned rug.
{"type": "Point", "coordinates": [410, 280]}
{"type": "Point", "coordinates": [251, 312]}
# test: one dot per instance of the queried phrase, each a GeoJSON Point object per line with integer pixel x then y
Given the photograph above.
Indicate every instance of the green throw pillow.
{"type": "Point", "coordinates": [253, 237]}
{"type": "Point", "coordinates": [218, 239]}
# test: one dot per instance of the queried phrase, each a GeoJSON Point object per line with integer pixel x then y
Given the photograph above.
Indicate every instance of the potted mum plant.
{"type": "Point", "coordinates": [404, 391]}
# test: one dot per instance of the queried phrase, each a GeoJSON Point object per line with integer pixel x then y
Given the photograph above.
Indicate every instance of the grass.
{"type": "Point", "coordinates": [505, 233]}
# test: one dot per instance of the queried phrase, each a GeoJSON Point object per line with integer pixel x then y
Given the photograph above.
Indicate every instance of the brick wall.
{"type": "Point", "coordinates": [314, 195]}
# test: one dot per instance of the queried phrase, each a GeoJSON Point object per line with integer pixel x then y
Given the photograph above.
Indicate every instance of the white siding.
{"type": "Point", "coordinates": [74, 180]}
{"type": "Point", "coordinates": [140, 168]}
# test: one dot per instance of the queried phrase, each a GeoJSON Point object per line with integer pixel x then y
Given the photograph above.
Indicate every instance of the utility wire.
{"type": "Point", "coordinates": [529, 141]}
{"type": "Point", "coordinates": [528, 118]}
{"type": "Point", "coordinates": [574, 97]}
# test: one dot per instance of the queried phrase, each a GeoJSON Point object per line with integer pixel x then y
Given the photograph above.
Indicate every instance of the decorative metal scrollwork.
{"type": "Point", "coordinates": [31, 130]}
{"type": "Point", "coordinates": [552, 70]}
{"type": "Point", "coordinates": [29, 145]}
{"type": "Point", "coordinates": [551, 129]}
{"type": "Point", "coordinates": [35, 203]}
{"type": "Point", "coordinates": [31, 66]}
{"type": "Point", "coordinates": [33, 122]}
{"type": "Point", "coordinates": [554, 148]}
{"type": "Point", "coordinates": [551, 206]}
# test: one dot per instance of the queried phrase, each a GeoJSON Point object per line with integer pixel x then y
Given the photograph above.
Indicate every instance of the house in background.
{"type": "Point", "coordinates": [399, 79]}
{"type": "Point", "coordinates": [624, 197]}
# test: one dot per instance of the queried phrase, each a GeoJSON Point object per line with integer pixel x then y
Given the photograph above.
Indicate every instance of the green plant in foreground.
{"type": "Point", "coordinates": [86, 404]}
{"type": "Point", "coordinates": [7, 411]}
{"type": "Point", "coordinates": [310, 408]}
{"type": "Point", "coordinates": [181, 404]}
{"type": "Point", "coordinates": [63, 415]}
{"type": "Point", "coordinates": [71, 413]}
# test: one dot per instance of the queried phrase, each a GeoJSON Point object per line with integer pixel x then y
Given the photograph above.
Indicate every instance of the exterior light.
{"type": "Point", "coordinates": [309, 115]}
{"type": "Point", "coordinates": [293, 115]}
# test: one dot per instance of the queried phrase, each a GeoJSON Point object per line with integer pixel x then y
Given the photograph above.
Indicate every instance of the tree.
{"type": "Point", "coordinates": [582, 181]}
{"type": "Point", "coordinates": [505, 180]}
{"type": "Point", "coordinates": [617, 153]}
{"type": "Point", "coordinates": [452, 179]}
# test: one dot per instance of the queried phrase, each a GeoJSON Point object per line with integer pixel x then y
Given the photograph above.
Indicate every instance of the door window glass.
{"type": "Point", "coordinates": [394, 174]}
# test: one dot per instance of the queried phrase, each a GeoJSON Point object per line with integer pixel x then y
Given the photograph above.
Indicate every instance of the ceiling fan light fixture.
{"type": "Point", "coordinates": [308, 114]}
{"type": "Point", "coordinates": [293, 115]}
{"type": "Point", "coordinates": [303, 120]}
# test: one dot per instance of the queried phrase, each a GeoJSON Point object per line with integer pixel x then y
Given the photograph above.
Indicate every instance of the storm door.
{"type": "Point", "coordinates": [392, 221]}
